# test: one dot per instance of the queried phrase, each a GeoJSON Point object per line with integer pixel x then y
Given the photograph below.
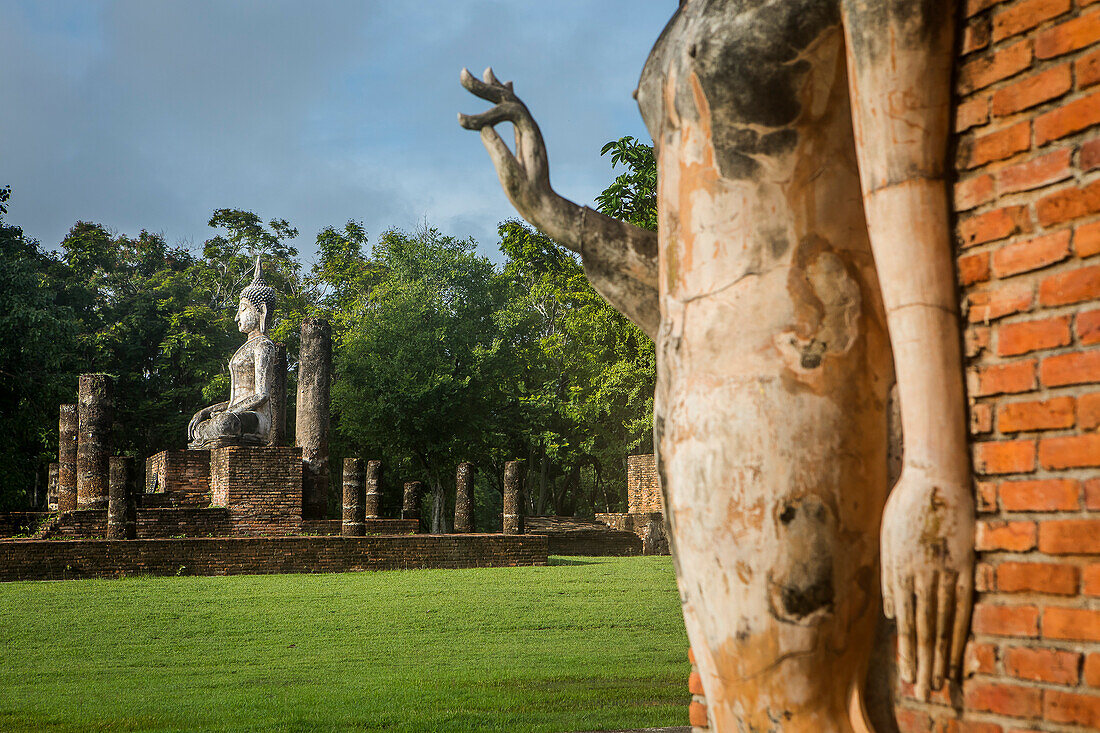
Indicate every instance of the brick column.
{"type": "Point", "coordinates": [95, 408]}
{"type": "Point", "coordinates": [121, 471]}
{"type": "Point", "coordinates": [278, 399]}
{"type": "Point", "coordinates": [410, 505]}
{"type": "Point", "coordinates": [311, 433]}
{"type": "Point", "coordinates": [513, 500]}
{"type": "Point", "coordinates": [51, 487]}
{"type": "Point", "coordinates": [354, 498]}
{"type": "Point", "coordinates": [372, 508]}
{"type": "Point", "coordinates": [66, 459]}
{"type": "Point", "coordinates": [464, 497]}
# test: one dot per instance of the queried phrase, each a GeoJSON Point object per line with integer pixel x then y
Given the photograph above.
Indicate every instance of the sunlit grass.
{"type": "Point", "coordinates": [585, 644]}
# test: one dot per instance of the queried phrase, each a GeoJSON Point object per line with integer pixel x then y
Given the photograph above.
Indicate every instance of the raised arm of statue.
{"type": "Point", "coordinates": [899, 61]}
{"type": "Point", "coordinates": [619, 259]}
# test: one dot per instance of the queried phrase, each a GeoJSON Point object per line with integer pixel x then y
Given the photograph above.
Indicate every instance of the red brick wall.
{"type": "Point", "coordinates": [261, 488]}
{"type": "Point", "coordinates": [1027, 199]}
{"type": "Point", "coordinates": [371, 526]}
{"type": "Point", "coordinates": [56, 560]}
{"type": "Point", "coordinates": [177, 478]}
{"type": "Point", "coordinates": [643, 492]}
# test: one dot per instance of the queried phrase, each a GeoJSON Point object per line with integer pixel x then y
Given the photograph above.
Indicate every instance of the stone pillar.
{"type": "Point", "coordinates": [464, 497]}
{"type": "Point", "coordinates": [278, 399]}
{"type": "Point", "coordinates": [51, 487]}
{"type": "Point", "coordinates": [410, 504]}
{"type": "Point", "coordinates": [372, 509]}
{"type": "Point", "coordinates": [354, 498]}
{"type": "Point", "coordinates": [95, 405]}
{"type": "Point", "coordinates": [121, 472]}
{"type": "Point", "coordinates": [513, 501]}
{"type": "Point", "coordinates": [66, 459]}
{"type": "Point", "coordinates": [311, 430]}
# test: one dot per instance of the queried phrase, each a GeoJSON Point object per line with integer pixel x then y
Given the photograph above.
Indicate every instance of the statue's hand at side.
{"type": "Point", "coordinates": [928, 575]}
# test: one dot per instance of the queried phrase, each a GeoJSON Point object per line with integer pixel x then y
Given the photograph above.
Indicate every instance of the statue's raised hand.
{"type": "Point", "coordinates": [525, 174]}
{"type": "Point", "coordinates": [928, 575]}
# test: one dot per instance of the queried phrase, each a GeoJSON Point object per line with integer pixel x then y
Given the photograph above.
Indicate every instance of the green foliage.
{"type": "Point", "coordinates": [632, 196]}
{"type": "Point", "coordinates": [587, 644]}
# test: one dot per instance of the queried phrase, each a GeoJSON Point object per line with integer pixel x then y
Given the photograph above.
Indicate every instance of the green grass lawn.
{"type": "Point", "coordinates": [585, 644]}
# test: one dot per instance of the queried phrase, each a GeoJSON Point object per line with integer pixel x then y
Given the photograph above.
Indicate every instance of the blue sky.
{"type": "Point", "coordinates": [149, 114]}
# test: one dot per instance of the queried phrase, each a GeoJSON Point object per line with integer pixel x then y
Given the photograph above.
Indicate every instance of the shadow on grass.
{"type": "Point", "coordinates": [558, 560]}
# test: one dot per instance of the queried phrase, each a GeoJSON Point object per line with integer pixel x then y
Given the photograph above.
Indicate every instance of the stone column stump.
{"type": "Point", "coordinates": [354, 498]}
{"type": "Point", "coordinates": [311, 431]}
{"type": "Point", "coordinates": [95, 408]}
{"type": "Point", "coordinates": [120, 495]}
{"type": "Point", "coordinates": [464, 497]}
{"type": "Point", "coordinates": [410, 504]}
{"type": "Point", "coordinates": [51, 487]}
{"type": "Point", "coordinates": [513, 499]}
{"type": "Point", "coordinates": [66, 459]}
{"type": "Point", "coordinates": [372, 509]}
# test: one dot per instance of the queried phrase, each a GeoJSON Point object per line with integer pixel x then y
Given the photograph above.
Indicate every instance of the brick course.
{"type": "Point", "coordinates": [58, 560]}
{"type": "Point", "coordinates": [261, 488]}
{"type": "Point", "coordinates": [177, 478]}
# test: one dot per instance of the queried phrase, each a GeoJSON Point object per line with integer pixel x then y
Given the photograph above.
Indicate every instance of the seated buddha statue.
{"type": "Point", "coordinates": [246, 417]}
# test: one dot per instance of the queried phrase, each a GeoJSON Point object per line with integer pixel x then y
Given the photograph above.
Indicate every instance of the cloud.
{"type": "Point", "coordinates": [150, 115]}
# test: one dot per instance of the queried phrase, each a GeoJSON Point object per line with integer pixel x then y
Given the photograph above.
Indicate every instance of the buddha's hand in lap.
{"type": "Point", "coordinates": [928, 575]}
{"type": "Point", "coordinates": [202, 415]}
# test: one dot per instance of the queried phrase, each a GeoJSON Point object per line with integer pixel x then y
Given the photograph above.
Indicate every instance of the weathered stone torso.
{"type": "Point", "coordinates": [773, 358]}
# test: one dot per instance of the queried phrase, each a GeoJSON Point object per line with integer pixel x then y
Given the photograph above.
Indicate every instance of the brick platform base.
{"type": "Point", "coordinates": [60, 560]}
{"type": "Point", "coordinates": [372, 526]}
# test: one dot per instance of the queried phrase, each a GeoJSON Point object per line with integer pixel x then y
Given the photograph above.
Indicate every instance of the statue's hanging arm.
{"type": "Point", "coordinates": [619, 258]}
{"type": "Point", "coordinates": [900, 55]}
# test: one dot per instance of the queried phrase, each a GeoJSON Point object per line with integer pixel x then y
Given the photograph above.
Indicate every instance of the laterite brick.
{"type": "Point", "coordinates": [1071, 624]}
{"type": "Point", "coordinates": [1088, 327]}
{"type": "Point", "coordinates": [1008, 536]}
{"type": "Point", "coordinates": [1086, 239]}
{"type": "Point", "coordinates": [1024, 337]}
{"type": "Point", "coordinates": [1034, 577]}
{"type": "Point", "coordinates": [1087, 70]}
{"type": "Point", "coordinates": [1067, 119]}
{"type": "Point", "coordinates": [1045, 495]}
{"type": "Point", "coordinates": [1092, 669]}
{"type": "Point", "coordinates": [1033, 90]}
{"type": "Point", "coordinates": [994, 225]}
{"type": "Point", "coordinates": [973, 192]}
{"type": "Point", "coordinates": [1015, 701]}
{"type": "Point", "coordinates": [1042, 665]}
{"type": "Point", "coordinates": [1079, 367]}
{"type": "Point", "coordinates": [1072, 286]}
{"type": "Point", "coordinates": [982, 72]}
{"type": "Point", "coordinates": [1011, 456]}
{"type": "Point", "coordinates": [993, 146]}
{"type": "Point", "coordinates": [1069, 203]}
{"type": "Point", "coordinates": [1070, 451]}
{"type": "Point", "coordinates": [1024, 16]}
{"type": "Point", "coordinates": [1069, 36]}
{"type": "Point", "coordinates": [1088, 411]}
{"type": "Point", "coordinates": [973, 268]}
{"type": "Point", "coordinates": [972, 113]}
{"type": "Point", "coordinates": [1010, 378]}
{"type": "Point", "coordinates": [1031, 254]}
{"type": "Point", "coordinates": [1070, 536]}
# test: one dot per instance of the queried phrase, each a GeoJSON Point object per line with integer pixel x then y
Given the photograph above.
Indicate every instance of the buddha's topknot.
{"type": "Point", "coordinates": [259, 293]}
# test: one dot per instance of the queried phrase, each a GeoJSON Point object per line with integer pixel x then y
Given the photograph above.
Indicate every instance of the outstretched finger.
{"type": "Point", "coordinates": [945, 614]}
{"type": "Point", "coordinates": [925, 589]}
{"type": "Point", "coordinates": [907, 632]}
{"type": "Point", "coordinates": [964, 592]}
{"type": "Point", "coordinates": [504, 112]}
{"type": "Point", "coordinates": [494, 91]}
{"type": "Point", "coordinates": [508, 169]}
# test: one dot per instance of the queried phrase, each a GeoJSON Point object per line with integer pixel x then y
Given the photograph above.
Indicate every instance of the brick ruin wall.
{"type": "Point", "coordinates": [261, 488]}
{"type": "Point", "coordinates": [177, 478]}
{"type": "Point", "coordinates": [643, 493]}
{"type": "Point", "coordinates": [331, 527]}
{"type": "Point", "coordinates": [1027, 200]}
{"type": "Point", "coordinates": [60, 560]}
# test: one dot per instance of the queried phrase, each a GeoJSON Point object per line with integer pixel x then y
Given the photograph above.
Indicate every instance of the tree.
{"type": "Point", "coordinates": [420, 369]}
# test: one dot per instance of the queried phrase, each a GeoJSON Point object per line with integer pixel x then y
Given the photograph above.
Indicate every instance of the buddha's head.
{"type": "Point", "coordinates": [256, 311]}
